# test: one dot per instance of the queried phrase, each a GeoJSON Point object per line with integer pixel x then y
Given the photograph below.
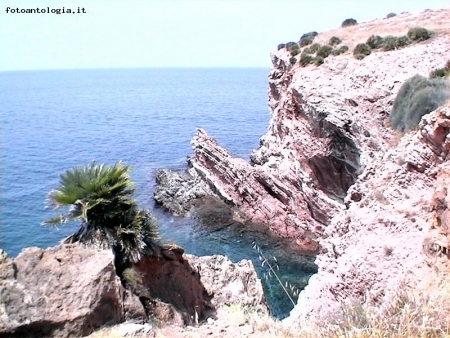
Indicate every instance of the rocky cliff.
{"type": "Point", "coordinates": [332, 176]}
{"type": "Point", "coordinates": [71, 290]}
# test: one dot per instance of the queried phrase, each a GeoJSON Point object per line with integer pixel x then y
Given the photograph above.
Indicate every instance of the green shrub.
{"type": "Point", "coordinates": [334, 40]}
{"type": "Point", "coordinates": [324, 51]}
{"type": "Point", "coordinates": [290, 44]}
{"type": "Point", "coordinates": [361, 51]}
{"type": "Point", "coordinates": [390, 15]}
{"type": "Point", "coordinates": [417, 97]}
{"type": "Point", "coordinates": [292, 60]}
{"type": "Point", "coordinates": [439, 72]}
{"type": "Point", "coordinates": [395, 42]}
{"type": "Point", "coordinates": [281, 46]}
{"type": "Point", "coordinates": [318, 60]}
{"type": "Point", "coordinates": [313, 34]}
{"type": "Point", "coordinates": [403, 41]}
{"type": "Point", "coordinates": [419, 34]}
{"type": "Point", "coordinates": [305, 59]}
{"type": "Point", "coordinates": [307, 39]}
{"type": "Point", "coordinates": [389, 43]}
{"type": "Point", "coordinates": [349, 22]}
{"type": "Point", "coordinates": [314, 48]}
{"type": "Point", "coordinates": [295, 49]}
{"type": "Point", "coordinates": [340, 50]}
{"type": "Point", "coordinates": [375, 41]}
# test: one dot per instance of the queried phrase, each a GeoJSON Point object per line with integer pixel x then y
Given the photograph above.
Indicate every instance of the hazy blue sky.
{"type": "Point", "coordinates": [172, 33]}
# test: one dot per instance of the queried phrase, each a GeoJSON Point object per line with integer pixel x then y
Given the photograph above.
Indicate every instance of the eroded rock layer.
{"type": "Point", "coordinates": [331, 174]}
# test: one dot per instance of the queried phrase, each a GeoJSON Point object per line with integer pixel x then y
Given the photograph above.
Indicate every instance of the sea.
{"type": "Point", "coordinates": [55, 120]}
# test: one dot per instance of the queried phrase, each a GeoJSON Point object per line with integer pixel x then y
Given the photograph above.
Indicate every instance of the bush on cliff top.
{"type": "Point", "coordinates": [324, 51]}
{"type": "Point", "coordinates": [307, 39]}
{"type": "Point", "coordinates": [361, 51]}
{"type": "Point", "coordinates": [419, 34]}
{"type": "Point", "coordinates": [417, 97]}
{"type": "Point", "coordinates": [375, 41]}
{"type": "Point", "coordinates": [334, 40]}
{"type": "Point", "coordinates": [339, 50]}
{"type": "Point", "coordinates": [349, 22]}
{"type": "Point", "coordinates": [305, 59]}
{"type": "Point", "coordinates": [394, 42]}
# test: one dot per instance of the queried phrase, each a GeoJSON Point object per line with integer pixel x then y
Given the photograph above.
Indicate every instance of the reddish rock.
{"type": "Point", "coordinates": [331, 172]}
{"type": "Point", "coordinates": [63, 291]}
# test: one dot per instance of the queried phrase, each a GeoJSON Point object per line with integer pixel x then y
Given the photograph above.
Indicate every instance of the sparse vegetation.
{"type": "Point", "coordinates": [313, 48]}
{"type": "Point", "coordinates": [292, 60]}
{"type": "Point", "coordinates": [361, 51]}
{"type": "Point", "coordinates": [305, 59]}
{"type": "Point", "coordinates": [403, 41]}
{"type": "Point", "coordinates": [394, 42]}
{"type": "Point", "coordinates": [441, 72]}
{"type": "Point", "coordinates": [307, 39]}
{"type": "Point", "coordinates": [132, 278]}
{"type": "Point", "coordinates": [318, 60]}
{"type": "Point", "coordinates": [295, 49]}
{"type": "Point", "coordinates": [375, 41]}
{"type": "Point", "coordinates": [390, 15]}
{"type": "Point", "coordinates": [349, 22]}
{"type": "Point", "coordinates": [289, 45]}
{"type": "Point", "coordinates": [324, 51]}
{"type": "Point", "coordinates": [340, 50]}
{"type": "Point", "coordinates": [334, 40]}
{"type": "Point", "coordinates": [281, 46]}
{"type": "Point", "coordinates": [417, 96]}
{"type": "Point", "coordinates": [272, 267]}
{"type": "Point", "coordinates": [419, 34]}
{"type": "Point", "coordinates": [389, 43]}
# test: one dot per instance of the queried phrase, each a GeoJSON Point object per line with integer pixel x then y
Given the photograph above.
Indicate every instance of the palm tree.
{"type": "Point", "coordinates": [101, 197]}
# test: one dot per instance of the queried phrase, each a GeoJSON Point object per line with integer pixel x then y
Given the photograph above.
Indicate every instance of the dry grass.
{"type": "Point", "coordinates": [413, 313]}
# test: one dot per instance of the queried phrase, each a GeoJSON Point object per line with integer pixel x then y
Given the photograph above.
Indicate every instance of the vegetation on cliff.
{"type": "Point", "coordinates": [101, 197]}
{"type": "Point", "coordinates": [417, 96]}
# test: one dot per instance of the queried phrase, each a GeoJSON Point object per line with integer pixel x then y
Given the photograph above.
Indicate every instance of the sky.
{"type": "Point", "coordinates": [172, 33]}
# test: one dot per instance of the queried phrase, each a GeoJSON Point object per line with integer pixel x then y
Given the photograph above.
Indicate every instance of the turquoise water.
{"type": "Point", "coordinates": [54, 120]}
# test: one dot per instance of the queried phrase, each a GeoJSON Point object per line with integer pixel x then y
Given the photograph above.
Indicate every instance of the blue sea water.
{"type": "Point", "coordinates": [52, 121]}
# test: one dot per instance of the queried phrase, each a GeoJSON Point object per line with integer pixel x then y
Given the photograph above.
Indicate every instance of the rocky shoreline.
{"type": "Point", "coordinates": [71, 290]}
{"type": "Point", "coordinates": [332, 178]}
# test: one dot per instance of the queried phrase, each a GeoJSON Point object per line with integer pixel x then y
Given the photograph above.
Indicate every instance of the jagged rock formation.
{"type": "Point", "coordinates": [70, 290]}
{"type": "Point", "coordinates": [332, 175]}
{"type": "Point", "coordinates": [393, 234]}
{"type": "Point", "coordinates": [327, 124]}
{"type": "Point", "coordinates": [177, 191]}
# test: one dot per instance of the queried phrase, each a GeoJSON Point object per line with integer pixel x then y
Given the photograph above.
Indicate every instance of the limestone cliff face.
{"type": "Point", "coordinates": [331, 173]}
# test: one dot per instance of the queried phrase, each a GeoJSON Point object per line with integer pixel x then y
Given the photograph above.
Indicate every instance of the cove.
{"type": "Point", "coordinates": [236, 242]}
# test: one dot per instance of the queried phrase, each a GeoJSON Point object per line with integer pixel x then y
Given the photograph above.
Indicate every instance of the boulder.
{"type": "Point", "coordinates": [176, 191]}
{"type": "Point", "coordinates": [229, 283]}
{"type": "Point", "coordinates": [71, 290]}
{"type": "Point", "coordinates": [64, 291]}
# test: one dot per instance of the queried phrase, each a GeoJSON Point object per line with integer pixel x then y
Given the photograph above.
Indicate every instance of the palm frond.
{"type": "Point", "coordinates": [101, 196]}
